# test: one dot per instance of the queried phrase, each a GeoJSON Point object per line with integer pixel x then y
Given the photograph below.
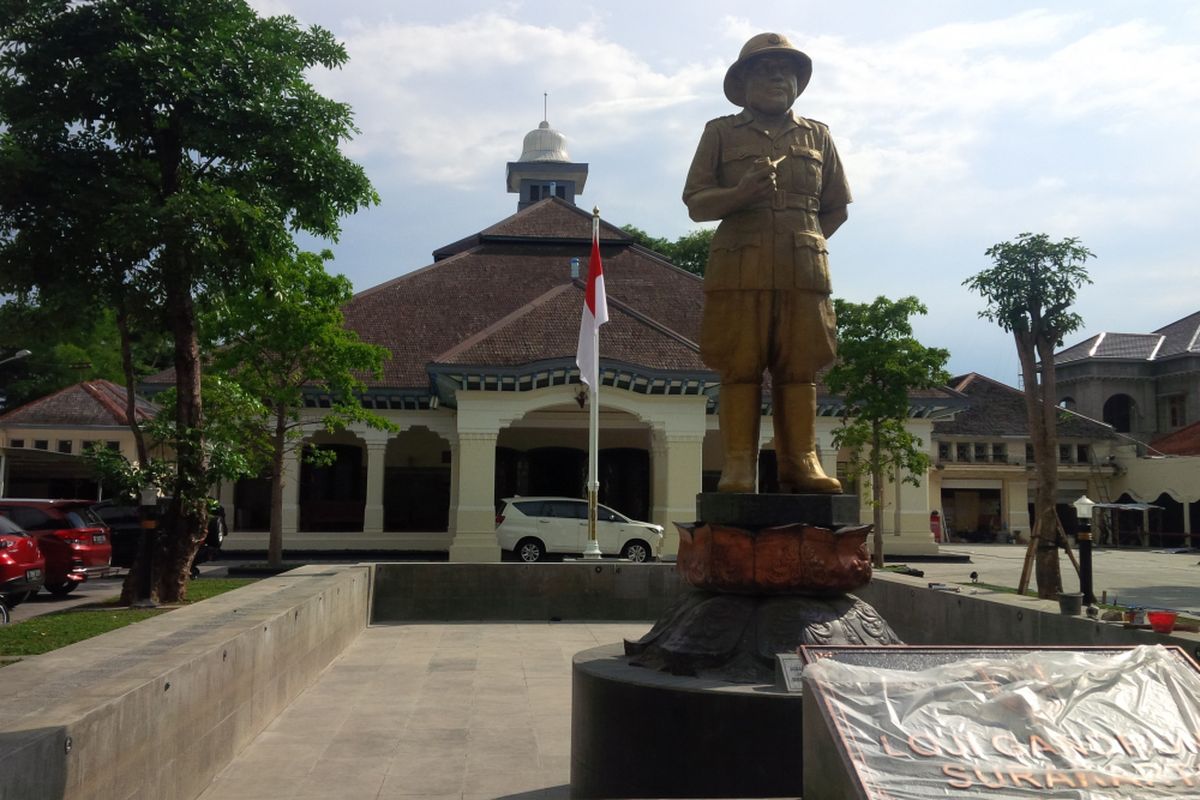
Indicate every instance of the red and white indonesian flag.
{"type": "Point", "coordinates": [595, 314]}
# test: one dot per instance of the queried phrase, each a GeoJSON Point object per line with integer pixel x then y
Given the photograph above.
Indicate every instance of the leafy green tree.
{"type": "Point", "coordinates": [78, 342]}
{"type": "Point", "coordinates": [879, 363]}
{"type": "Point", "coordinates": [1029, 292]}
{"type": "Point", "coordinates": [164, 149]}
{"type": "Point", "coordinates": [688, 252]}
{"type": "Point", "coordinates": [288, 338]}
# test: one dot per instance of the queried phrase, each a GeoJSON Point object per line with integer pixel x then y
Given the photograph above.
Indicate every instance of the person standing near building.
{"type": "Point", "coordinates": [775, 181]}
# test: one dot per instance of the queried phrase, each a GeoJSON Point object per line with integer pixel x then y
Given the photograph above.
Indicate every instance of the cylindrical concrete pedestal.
{"type": "Point", "coordinates": [636, 732]}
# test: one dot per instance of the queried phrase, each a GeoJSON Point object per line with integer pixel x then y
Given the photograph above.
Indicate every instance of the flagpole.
{"type": "Point", "coordinates": [592, 551]}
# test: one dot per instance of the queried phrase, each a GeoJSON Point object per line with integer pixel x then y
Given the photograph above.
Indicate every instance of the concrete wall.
{"type": "Point", "coordinates": [568, 591]}
{"type": "Point", "coordinates": [156, 709]}
{"type": "Point", "coordinates": [921, 615]}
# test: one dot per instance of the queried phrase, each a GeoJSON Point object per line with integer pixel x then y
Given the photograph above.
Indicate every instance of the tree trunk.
{"type": "Point", "coordinates": [275, 540]}
{"type": "Point", "coordinates": [139, 439]}
{"type": "Point", "coordinates": [897, 512]}
{"type": "Point", "coordinates": [1045, 455]}
{"type": "Point", "coordinates": [187, 517]}
{"type": "Point", "coordinates": [877, 494]}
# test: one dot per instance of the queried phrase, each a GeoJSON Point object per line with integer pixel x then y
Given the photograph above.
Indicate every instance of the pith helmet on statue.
{"type": "Point", "coordinates": [761, 45]}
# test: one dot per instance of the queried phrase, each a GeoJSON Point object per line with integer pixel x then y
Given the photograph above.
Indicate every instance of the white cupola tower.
{"type": "Point", "coordinates": [544, 169]}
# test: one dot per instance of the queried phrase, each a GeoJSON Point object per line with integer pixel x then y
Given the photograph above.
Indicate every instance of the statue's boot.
{"type": "Point", "coordinates": [796, 441]}
{"type": "Point", "coordinates": [740, 415]}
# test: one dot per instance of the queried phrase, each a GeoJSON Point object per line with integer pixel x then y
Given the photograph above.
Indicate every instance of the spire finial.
{"type": "Point", "coordinates": [545, 106]}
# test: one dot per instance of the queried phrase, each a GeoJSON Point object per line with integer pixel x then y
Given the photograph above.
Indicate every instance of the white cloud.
{"type": "Point", "coordinates": [444, 102]}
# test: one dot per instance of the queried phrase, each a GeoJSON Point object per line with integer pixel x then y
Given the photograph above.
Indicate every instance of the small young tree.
{"type": "Point", "coordinates": [879, 363]}
{"type": "Point", "coordinates": [1029, 292]}
{"type": "Point", "coordinates": [287, 338]}
{"type": "Point", "coordinates": [234, 447]}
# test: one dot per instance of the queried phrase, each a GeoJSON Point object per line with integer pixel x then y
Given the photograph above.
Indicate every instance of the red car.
{"type": "Point", "coordinates": [22, 567]}
{"type": "Point", "coordinates": [71, 537]}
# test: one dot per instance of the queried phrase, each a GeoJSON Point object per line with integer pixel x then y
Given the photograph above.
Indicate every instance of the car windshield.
{"type": "Point", "coordinates": [10, 528]}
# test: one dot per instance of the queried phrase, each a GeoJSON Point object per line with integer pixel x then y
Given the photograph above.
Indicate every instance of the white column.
{"type": "Point", "coordinates": [474, 516]}
{"type": "Point", "coordinates": [677, 477]}
{"type": "Point", "coordinates": [1016, 507]}
{"type": "Point", "coordinates": [455, 471]}
{"type": "Point", "coordinates": [373, 511]}
{"type": "Point", "coordinates": [225, 496]}
{"type": "Point", "coordinates": [291, 492]}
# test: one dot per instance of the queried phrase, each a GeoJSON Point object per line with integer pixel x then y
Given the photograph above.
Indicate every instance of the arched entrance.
{"type": "Point", "coordinates": [545, 454]}
{"type": "Point", "coordinates": [416, 482]}
{"type": "Point", "coordinates": [1119, 412]}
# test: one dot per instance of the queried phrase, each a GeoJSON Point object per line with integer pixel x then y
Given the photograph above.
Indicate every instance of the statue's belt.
{"type": "Point", "coordinates": [782, 200]}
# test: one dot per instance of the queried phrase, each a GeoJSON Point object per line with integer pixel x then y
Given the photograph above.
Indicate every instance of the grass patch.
{"type": "Point", "coordinates": [61, 628]}
{"type": "Point", "coordinates": [204, 588]}
{"type": "Point", "coordinates": [52, 631]}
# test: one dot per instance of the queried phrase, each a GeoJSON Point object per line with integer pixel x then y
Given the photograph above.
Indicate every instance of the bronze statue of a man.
{"type": "Point", "coordinates": [775, 181]}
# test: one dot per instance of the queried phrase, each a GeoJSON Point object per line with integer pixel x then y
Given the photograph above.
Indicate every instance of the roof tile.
{"type": "Point", "coordinates": [98, 402]}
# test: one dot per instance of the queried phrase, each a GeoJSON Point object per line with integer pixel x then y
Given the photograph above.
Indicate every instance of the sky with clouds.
{"type": "Point", "coordinates": [960, 125]}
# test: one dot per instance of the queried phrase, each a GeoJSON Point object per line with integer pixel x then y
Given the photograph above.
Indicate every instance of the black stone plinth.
{"type": "Point", "coordinates": [769, 510]}
{"type": "Point", "coordinates": [640, 733]}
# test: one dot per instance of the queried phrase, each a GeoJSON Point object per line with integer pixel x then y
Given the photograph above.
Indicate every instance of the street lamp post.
{"type": "Point", "coordinates": [15, 356]}
{"type": "Point", "coordinates": [1083, 509]}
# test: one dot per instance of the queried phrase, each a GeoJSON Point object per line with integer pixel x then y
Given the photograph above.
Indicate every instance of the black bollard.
{"type": "Point", "coordinates": [1085, 567]}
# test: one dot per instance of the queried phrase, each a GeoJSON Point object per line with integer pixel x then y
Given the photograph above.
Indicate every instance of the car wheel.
{"type": "Point", "coordinates": [16, 598]}
{"type": "Point", "coordinates": [61, 589]}
{"type": "Point", "coordinates": [531, 550]}
{"type": "Point", "coordinates": [636, 550]}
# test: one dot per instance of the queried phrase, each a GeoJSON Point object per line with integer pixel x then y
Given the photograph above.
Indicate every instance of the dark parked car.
{"type": "Point", "coordinates": [125, 524]}
{"type": "Point", "coordinates": [22, 566]}
{"type": "Point", "coordinates": [72, 538]}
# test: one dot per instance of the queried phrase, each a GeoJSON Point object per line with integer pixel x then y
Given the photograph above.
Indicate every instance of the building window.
{"type": "Point", "coordinates": [87, 444]}
{"type": "Point", "coordinates": [999, 453]}
{"type": "Point", "coordinates": [64, 446]}
{"type": "Point", "coordinates": [1083, 454]}
{"type": "Point", "coordinates": [41, 444]}
{"type": "Point", "coordinates": [1064, 454]}
{"type": "Point", "coordinates": [560, 192]}
{"type": "Point", "coordinates": [1028, 453]}
{"type": "Point", "coordinates": [16, 443]}
{"type": "Point", "coordinates": [535, 192]}
{"type": "Point", "coordinates": [943, 451]}
{"type": "Point", "coordinates": [114, 446]}
{"type": "Point", "coordinates": [962, 452]}
{"type": "Point", "coordinates": [981, 452]}
{"type": "Point", "coordinates": [1176, 410]}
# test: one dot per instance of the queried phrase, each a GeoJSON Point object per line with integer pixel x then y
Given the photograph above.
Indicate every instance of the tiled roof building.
{"type": "Point", "coordinates": [41, 441]}
{"type": "Point", "coordinates": [1143, 384]}
{"type": "Point", "coordinates": [984, 480]}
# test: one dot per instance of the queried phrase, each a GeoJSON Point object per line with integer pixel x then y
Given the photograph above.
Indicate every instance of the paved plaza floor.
{"type": "Point", "coordinates": [1133, 576]}
{"type": "Point", "coordinates": [428, 711]}
{"type": "Point", "coordinates": [483, 710]}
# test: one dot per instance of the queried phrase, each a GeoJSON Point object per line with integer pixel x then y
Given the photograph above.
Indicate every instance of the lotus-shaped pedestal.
{"type": "Point", "coordinates": [788, 559]}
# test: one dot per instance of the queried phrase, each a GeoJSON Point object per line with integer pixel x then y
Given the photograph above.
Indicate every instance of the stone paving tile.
{"type": "Point", "coordinates": [427, 712]}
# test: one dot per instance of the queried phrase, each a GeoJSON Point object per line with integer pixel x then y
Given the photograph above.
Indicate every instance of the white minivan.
{"type": "Point", "coordinates": [531, 527]}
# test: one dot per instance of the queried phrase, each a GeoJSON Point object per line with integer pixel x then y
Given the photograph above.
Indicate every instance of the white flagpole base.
{"type": "Point", "coordinates": [592, 551]}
